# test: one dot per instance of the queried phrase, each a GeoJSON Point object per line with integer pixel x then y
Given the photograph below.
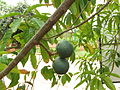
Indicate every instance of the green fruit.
{"type": "Point", "coordinates": [60, 66]}
{"type": "Point", "coordinates": [64, 49]}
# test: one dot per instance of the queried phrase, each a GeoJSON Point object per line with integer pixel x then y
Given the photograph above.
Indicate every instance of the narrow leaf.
{"type": "Point", "coordinates": [44, 53]}
{"type": "Point", "coordinates": [108, 82]}
{"type": "Point", "coordinates": [10, 14]}
{"type": "Point", "coordinates": [81, 82]}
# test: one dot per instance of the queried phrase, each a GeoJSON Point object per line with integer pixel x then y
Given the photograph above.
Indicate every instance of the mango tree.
{"type": "Point", "coordinates": [85, 24]}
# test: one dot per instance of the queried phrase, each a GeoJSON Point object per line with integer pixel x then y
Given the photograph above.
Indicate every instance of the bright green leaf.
{"type": "Point", "coordinates": [2, 85]}
{"type": "Point", "coordinates": [108, 82]}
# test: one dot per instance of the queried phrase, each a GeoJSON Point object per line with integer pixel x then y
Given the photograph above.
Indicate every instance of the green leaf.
{"type": "Point", "coordinates": [112, 74]}
{"type": "Point", "coordinates": [82, 5]}
{"type": "Point", "coordinates": [2, 85]}
{"type": "Point", "coordinates": [93, 83]}
{"type": "Point", "coordinates": [13, 27]}
{"type": "Point", "coordinates": [33, 57]}
{"type": "Point", "coordinates": [44, 53]}
{"type": "Point", "coordinates": [22, 87]}
{"type": "Point", "coordinates": [10, 14]}
{"type": "Point", "coordinates": [4, 52]}
{"type": "Point", "coordinates": [40, 1]}
{"type": "Point", "coordinates": [33, 74]}
{"type": "Point", "coordinates": [56, 3]}
{"type": "Point", "coordinates": [3, 66]}
{"type": "Point", "coordinates": [33, 60]}
{"type": "Point", "coordinates": [63, 79]}
{"type": "Point", "coordinates": [25, 59]}
{"type": "Point", "coordinates": [4, 59]}
{"type": "Point", "coordinates": [14, 79]}
{"type": "Point", "coordinates": [110, 24]}
{"type": "Point", "coordinates": [70, 74]}
{"type": "Point", "coordinates": [47, 73]}
{"type": "Point", "coordinates": [100, 85]}
{"type": "Point", "coordinates": [81, 82]}
{"type": "Point", "coordinates": [73, 9]}
{"type": "Point", "coordinates": [68, 78]}
{"type": "Point", "coordinates": [72, 57]}
{"type": "Point", "coordinates": [68, 19]}
{"type": "Point", "coordinates": [58, 28]}
{"type": "Point", "coordinates": [46, 1]}
{"type": "Point", "coordinates": [33, 7]}
{"type": "Point", "coordinates": [93, 2]}
{"type": "Point", "coordinates": [108, 82]}
{"type": "Point", "coordinates": [15, 24]}
{"type": "Point", "coordinates": [54, 81]}
{"type": "Point", "coordinates": [37, 22]}
{"type": "Point", "coordinates": [5, 39]}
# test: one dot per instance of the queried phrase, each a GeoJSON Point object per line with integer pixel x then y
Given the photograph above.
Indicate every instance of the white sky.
{"type": "Point", "coordinates": [49, 9]}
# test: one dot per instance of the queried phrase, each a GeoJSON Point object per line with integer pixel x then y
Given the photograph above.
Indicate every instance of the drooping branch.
{"type": "Point", "coordinates": [38, 36]}
{"type": "Point", "coordinates": [55, 36]}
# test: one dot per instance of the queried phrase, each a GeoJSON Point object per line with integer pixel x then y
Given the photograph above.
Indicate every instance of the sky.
{"type": "Point", "coordinates": [43, 9]}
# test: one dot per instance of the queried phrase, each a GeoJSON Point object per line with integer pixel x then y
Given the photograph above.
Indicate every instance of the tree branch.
{"type": "Point", "coordinates": [55, 36]}
{"type": "Point", "coordinates": [38, 36]}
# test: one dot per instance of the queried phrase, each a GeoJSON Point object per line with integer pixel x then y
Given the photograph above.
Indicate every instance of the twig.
{"type": "Point", "coordinates": [38, 36]}
{"type": "Point", "coordinates": [82, 22]}
{"type": "Point", "coordinates": [111, 44]}
{"type": "Point", "coordinates": [80, 14]}
{"type": "Point", "coordinates": [48, 51]}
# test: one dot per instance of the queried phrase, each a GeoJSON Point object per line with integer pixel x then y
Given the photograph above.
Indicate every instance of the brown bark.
{"type": "Point", "coordinates": [38, 36]}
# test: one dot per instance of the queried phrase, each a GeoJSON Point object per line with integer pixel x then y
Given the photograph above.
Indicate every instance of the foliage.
{"type": "Point", "coordinates": [99, 38]}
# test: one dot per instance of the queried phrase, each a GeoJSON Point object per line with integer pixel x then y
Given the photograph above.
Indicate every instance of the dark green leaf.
{"type": "Point", "coordinates": [33, 57]}
{"type": "Point", "coordinates": [22, 87]}
{"type": "Point", "coordinates": [72, 57]}
{"type": "Point", "coordinates": [110, 24]}
{"type": "Point", "coordinates": [63, 79]}
{"type": "Point", "coordinates": [46, 1]}
{"type": "Point", "coordinates": [68, 78]}
{"type": "Point", "coordinates": [33, 60]}
{"type": "Point", "coordinates": [47, 73]}
{"type": "Point", "coordinates": [54, 81]}
{"type": "Point", "coordinates": [25, 59]}
{"type": "Point", "coordinates": [70, 74]}
{"type": "Point", "coordinates": [93, 2]}
{"type": "Point", "coordinates": [40, 1]}
{"type": "Point", "coordinates": [14, 79]}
